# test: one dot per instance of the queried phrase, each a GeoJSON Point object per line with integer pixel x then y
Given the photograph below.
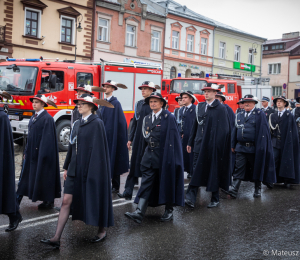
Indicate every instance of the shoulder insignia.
{"type": "Point", "coordinates": [253, 112]}
{"type": "Point", "coordinates": [149, 117]}
{"type": "Point", "coordinates": [258, 112]}
{"type": "Point", "coordinates": [166, 115]}
{"type": "Point", "coordinates": [287, 114]}
{"type": "Point", "coordinates": [159, 117]}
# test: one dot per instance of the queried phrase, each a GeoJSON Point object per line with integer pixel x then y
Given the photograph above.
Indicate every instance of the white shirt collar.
{"type": "Point", "coordinates": [249, 112]}
{"type": "Point", "coordinates": [41, 111]}
{"type": "Point", "coordinates": [189, 106]}
{"type": "Point", "coordinates": [108, 98]}
{"type": "Point", "coordinates": [210, 103]}
{"type": "Point", "coordinates": [157, 114]}
{"type": "Point", "coordinates": [86, 118]}
{"type": "Point", "coordinates": [281, 112]}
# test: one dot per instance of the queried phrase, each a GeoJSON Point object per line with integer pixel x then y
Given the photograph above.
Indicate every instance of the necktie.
{"type": "Point", "coordinates": [153, 118]}
{"type": "Point", "coordinates": [247, 115]}
{"type": "Point", "coordinates": [279, 114]}
{"type": "Point", "coordinates": [184, 110]}
{"type": "Point", "coordinates": [35, 116]}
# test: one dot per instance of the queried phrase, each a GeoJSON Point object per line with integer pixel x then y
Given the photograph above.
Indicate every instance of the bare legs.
{"type": "Point", "coordinates": [63, 216]}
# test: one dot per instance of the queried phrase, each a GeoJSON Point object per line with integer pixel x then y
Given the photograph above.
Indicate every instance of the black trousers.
{"type": "Point", "coordinates": [277, 159]}
{"type": "Point", "coordinates": [130, 182]}
{"type": "Point", "coordinates": [191, 194]}
{"type": "Point", "coordinates": [242, 161]}
{"type": "Point", "coordinates": [116, 180]}
{"type": "Point", "coordinates": [196, 155]}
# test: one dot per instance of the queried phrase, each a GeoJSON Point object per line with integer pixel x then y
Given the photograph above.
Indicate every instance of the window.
{"type": "Point", "coordinates": [250, 56]}
{"type": "Point", "coordinates": [155, 41]}
{"type": "Point", "coordinates": [51, 81]}
{"type": "Point", "coordinates": [173, 73]}
{"type": "Point", "coordinates": [103, 30]}
{"type": "Point", "coordinates": [204, 46]}
{"type": "Point", "coordinates": [275, 68]}
{"type": "Point", "coordinates": [84, 78]}
{"type": "Point", "coordinates": [273, 47]}
{"type": "Point", "coordinates": [265, 48]}
{"type": "Point", "coordinates": [222, 50]}
{"type": "Point", "coordinates": [175, 40]}
{"type": "Point", "coordinates": [66, 30]}
{"type": "Point", "coordinates": [190, 43]}
{"type": "Point", "coordinates": [163, 86]}
{"type": "Point", "coordinates": [31, 23]}
{"type": "Point", "coordinates": [237, 50]}
{"type": "Point", "coordinates": [130, 36]}
{"type": "Point", "coordinates": [277, 91]}
{"type": "Point", "coordinates": [231, 88]}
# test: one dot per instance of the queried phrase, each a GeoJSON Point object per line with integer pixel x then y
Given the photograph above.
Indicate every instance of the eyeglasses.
{"type": "Point", "coordinates": [80, 104]}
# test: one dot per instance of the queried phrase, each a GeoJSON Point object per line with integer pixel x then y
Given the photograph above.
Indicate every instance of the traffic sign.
{"type": "Point", "coordinates": [284, 93]}
{"type": "Point", "coordinates": [284, 86]}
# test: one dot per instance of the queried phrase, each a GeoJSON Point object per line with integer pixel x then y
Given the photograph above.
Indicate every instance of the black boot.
{"type": "Point", "coordinates": [257, 192]}
{"type": "Point", "coordinates": [14, 221]}
{"type": "Point", "coordinates": [233, 190]}
{"type": "Point", "coordinates": [168, 215]}
{"type": "Point", "coordinates": [124, 195]}
{"type": "Point", "coordinates": [215, 200]}
{"type": "Point", "coordinates": [140, 211]}
{"type": "Point", "coordinates": [46, 205]}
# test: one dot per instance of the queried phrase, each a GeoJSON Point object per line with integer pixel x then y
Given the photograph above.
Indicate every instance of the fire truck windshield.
{"type": "Point", "coordinates": [181, 85]}
{"type": "Point", "coordinates": [18, 79]}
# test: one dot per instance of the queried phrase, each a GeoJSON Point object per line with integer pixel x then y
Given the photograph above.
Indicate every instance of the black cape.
{"type": "Point", "coordinates": [92, 202]}
{"type": "Point", "coordinates": [117, 137]}
{"type": "Point", "coordinates": [136, 137]}
{"type": "Point", "coordinates": [264, 166]}
{"type": "Point", "coordinates": [40, 177]}
{"type": "Point", "coordinates": [289, 166]}
{"type": "Point", "coordinates": [188, 158]}
{"type": "Point", "coordinates": [7, 169]}
{"type": "Point", "coordinates": [170, 186]}
{"type": "Point", "coordinates": [214, 162]}
{"type": "Point", "coordinates": [231, 116]}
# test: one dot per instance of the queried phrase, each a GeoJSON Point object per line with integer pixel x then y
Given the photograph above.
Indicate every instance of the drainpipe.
{"type": "Point", "coordinates": [93, 32]}
{"type": "Point", "coordinates": [213, 54]}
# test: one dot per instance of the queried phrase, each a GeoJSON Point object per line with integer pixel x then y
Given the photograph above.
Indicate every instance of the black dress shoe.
{"type": "Point", "coordinates": [55, 244]}
{"type": "Point", "coordinates": [46, 205]}
{"type": "Point", "coordinates": [135, 216]}
{"type": "Point", "coordinates": [269, 185]}
{"type": "Point", "coordinates": [114, 190]}
{"type": "Point", "coordinates": [189, 203]}
{"type": "Point", "coordinates": [124, 196]}
{"type": "Point", "coordinates": [14, 223]}
{"type": "Point", "coordinates": [189, 176]}
{"type": "Point", "coordinates": [287, 185]}
{"type": "Point", "coordinates": [213, 204]}
{"type": "Point", "coordinates": [97, 239]}
{"type": "Point", "coordinates": [167, 216]}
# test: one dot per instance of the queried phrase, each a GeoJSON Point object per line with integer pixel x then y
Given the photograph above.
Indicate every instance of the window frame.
{"type": "Point", "coordinates": [73, 28]}
{"type": "Point", "coordinates": [190, 43]}
{"type": "Point", "coordinates": [39, 21]}
{"type": "Point", "coordinates": [134, 36]}
{"type": "Point", "coordinates": [102, 26]}
{"type": "Point", "coordinates": [229, 85]}
{"type": "Point", "coordinates": [203, 38]}
{"type": "Point", "coordinates": [250, 56]}
{"type": "Point", "coordinates": [66, 27]}
{"type": "Point", "coordinates": [84, 80]}
{"type": "Point", "coordinates": [175, 37]}
{"type": "Point", "coordinates": [156, 40]}
{"type": "Point", "coordinates": [223, 49]}
{"type": "Point", "coordinates": [274, 68]}
{"type": "Point", "coordinates": [237, 53]}
{"type": "Point", "coordinates": [173, 72]}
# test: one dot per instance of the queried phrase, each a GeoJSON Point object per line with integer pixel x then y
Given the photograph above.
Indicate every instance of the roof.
{"type": "Point", "coordinates": [182, 10]}
{"type": "Point", "coordinates": [281, 40]}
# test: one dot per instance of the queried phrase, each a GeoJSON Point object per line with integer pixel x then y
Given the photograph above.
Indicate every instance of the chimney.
{"type": "Point", "coordinates": [290, 35]}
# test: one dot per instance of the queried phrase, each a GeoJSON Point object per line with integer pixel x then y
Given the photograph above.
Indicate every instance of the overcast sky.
{"type": "Point", "coordinates": [265, 18]}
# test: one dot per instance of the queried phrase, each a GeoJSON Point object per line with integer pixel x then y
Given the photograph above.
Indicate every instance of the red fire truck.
{"type": "Point", "coordinates": [171, 88]}
{"type": "Point", "coordinates": [23, 78]}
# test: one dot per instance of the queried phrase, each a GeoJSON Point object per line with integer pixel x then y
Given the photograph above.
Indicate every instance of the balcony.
{"type": "Point", "coordinates": [2, 33]}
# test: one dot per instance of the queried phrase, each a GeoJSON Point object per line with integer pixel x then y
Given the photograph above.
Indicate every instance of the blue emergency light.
{"type": "Point", "coordinates": [179, 75]}
{"type": "Point", "coordinates": [10, 59]}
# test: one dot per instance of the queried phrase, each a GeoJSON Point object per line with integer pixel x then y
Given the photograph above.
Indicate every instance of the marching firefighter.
{"type": "Point", "coordinates": [178, 111]}
{"type": "Point", "coordinates": [266, 108]}
{"type": "Point", "coordinates": [8, 205]}
{"type": "Point", "coordinates": [285, 141]}
{"type": "Point", "coordinates": [241, 106]}
{"type": "Point", "coordinates": [210, 140]}
{"type": "Point", "coordinates": [231, 116]}
{"type": "Point", "coordinates": [188, 115]}
{"type": "Point", "coordinates": [84, 89]}
{"type": "Point", "coordinates": [40, 176]}
{"type": "Point", "coordinates": [162, 164]}
{"type": "Point", "coordinates": [136, 139]}
{"type": "Point", "coordinates": [296, 113]}
{"type": "Point", "coordinates": [251, 141]}
{"type": "Point", "coordinates": [116, 133]}
{"type": "Point", "coordinates": [86, 174]}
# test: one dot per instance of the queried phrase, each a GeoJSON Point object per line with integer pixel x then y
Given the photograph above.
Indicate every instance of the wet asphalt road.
{"type": "Point", "coordinates": [245, 228]}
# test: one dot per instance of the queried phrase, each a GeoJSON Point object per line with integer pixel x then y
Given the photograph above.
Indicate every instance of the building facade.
{"type": "Point", "coordinates": [280, 60]}
{"type": "Point", "coordinates": [48, 28]}
{"type": "Point", "coordinates": [129, 31]}
{"type": "Point", "coordinates": [236, 52]}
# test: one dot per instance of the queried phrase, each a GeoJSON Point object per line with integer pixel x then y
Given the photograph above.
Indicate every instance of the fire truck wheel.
{"type": "Point", "coordinates": [63, 134]}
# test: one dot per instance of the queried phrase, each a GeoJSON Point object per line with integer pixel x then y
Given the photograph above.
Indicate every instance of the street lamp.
{"type": "Point", "coordinates": [253, 52]}
{"type": "Point", "coordinates": [79, 29]}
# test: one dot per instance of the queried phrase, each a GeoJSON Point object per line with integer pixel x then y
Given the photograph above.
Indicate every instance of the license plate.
{"type": "Point", "coordinates": [12, 117]}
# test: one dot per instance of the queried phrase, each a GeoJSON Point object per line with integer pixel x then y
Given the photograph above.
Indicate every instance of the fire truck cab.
{"type": "Point", "coordinates": [179, 85]}
{"type": "Point", "coordinates": [24, 78]}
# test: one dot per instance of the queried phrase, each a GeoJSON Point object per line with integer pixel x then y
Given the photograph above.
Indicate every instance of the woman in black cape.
{"type": "Point", "coordinates": [87, 174]}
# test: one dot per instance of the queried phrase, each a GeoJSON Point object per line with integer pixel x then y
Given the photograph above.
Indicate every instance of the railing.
{"type": "Point", "coordinates": [2, 33]}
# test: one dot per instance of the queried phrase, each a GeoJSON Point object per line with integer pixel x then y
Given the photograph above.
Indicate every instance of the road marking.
{"type": "Point", "coordinates": [53, 216]}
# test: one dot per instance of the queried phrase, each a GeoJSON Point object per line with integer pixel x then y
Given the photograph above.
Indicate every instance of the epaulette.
{"type": "Point", "coordinates": [166, 115]}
